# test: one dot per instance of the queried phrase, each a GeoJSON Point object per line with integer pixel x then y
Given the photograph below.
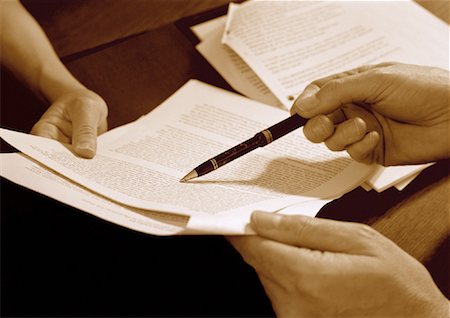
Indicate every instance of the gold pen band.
{"type": "Point", "coordinates": [268, 135]}
{"type": "Point", "coordinates": [214, 163]}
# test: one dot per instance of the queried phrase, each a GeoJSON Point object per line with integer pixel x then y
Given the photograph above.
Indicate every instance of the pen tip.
{"type": "Point", "coordinates": [191, 175]}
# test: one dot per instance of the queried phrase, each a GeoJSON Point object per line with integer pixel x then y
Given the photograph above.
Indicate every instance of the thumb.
{"type": "Point", "coordinates": [315, 233]}
{"type": "Point", "coordinates": [84, 134]}
{"type": "Point", "coordinates": [315, 99]}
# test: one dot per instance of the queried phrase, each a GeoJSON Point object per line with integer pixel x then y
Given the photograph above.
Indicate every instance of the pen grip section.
{"type": "Point", "coordinates": [286, 126]}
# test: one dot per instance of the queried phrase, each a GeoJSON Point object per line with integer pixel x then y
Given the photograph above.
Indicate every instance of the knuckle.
{"type": "Point", "coordinates": [381, 73]}
{"type": "Point", "coordinates": [313, 85]}
{"type": "Point", "coordinates": [87, 131]}
{"type": "Point", "coordinates": [89, 103]}
{"type": "Point", "coordinates": [296, 225]}
{"type": "Point", "coordinates": [366, 233]}
{"type": "Point", "coordinates": [333, 84]}
{"type": "Point", "coordinates": [41, 128]}
{"type": "Point", "coordinates": [336, 84]}
{"type": "Point", "coordinates": [364, 239]}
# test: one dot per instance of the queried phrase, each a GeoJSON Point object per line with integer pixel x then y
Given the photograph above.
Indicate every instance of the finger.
{"type": "Point", "coordinates": [364, 68]}
{"type": "Point", "coordinates": [360, 87]}
{"type": "Point", "coordinates": [48, 130]}
{"type": "Point", "coordinates": [337, 117]}
{"type": "Point", "coordinates": [347, 133]}
{"type": "Point", "coordinates": [277, 261]}
{"type": "Point", "coordinates": [85, 121]}
{"type": "Point", "coordinates": [318, 128]}
{"type": "Point", "coordinates": [52, 117]}
{"type": "Point", "coordinates": [364, 150]}
{"type": "Point", "coordinates": [315, 233]}
{"type": "Point", "coordinates": [316, 85]}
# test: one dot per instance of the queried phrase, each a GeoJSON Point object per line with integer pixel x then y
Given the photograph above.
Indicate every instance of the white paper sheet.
{"type": "Point", "coordinates": [233, 69]}
{"type": "Point", "coordinates": [204, 29]}
{"type": "Point", "coordinates": [288, 44]}
{"type": "Point", "coordinates": [141, 168]}
{"type": "Point", "coordinates": [403, 184]}
{"type": "Point", "coordinates": [386, 177]}
{"type": "Point", "coordinates": [28, 173]}
{"type": "Point", "coordinates": [33, 175]}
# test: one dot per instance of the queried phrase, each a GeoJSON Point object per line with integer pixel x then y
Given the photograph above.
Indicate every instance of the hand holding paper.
{"type": "Point", "coordinates": [139, 166]}
{"type": "Point", "coordinates": [312, 267]}
{"type": "Point", "coordinates": [77, 118]}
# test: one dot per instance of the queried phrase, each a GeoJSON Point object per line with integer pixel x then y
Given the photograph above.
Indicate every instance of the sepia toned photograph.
{"type": "Point", "coordinates": [217, 158]}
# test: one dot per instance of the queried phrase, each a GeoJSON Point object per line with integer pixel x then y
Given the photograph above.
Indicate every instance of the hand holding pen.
{"type": "Point", "coordinates": [261, 139]}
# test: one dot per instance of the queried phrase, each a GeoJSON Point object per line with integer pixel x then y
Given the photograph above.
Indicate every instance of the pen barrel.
{"type": "Point", "coordinates": [231, 154]}
{"type": "Point", "coordinates": [286, 126]}
{"type": "Point", "coordinates": [259, 140]}
{"type": "Point", "coordinates": [240, 150]}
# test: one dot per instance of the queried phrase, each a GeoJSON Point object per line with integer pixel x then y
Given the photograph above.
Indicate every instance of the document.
{"type": "Point", "coordinates": [235, 71]}
{"type": "Point", "coordinates": [137, 167]}
{"type": "Point", "coordinates": [31, 174]}
{"type": "Point", "coordinates": [384, 178]}
{"type": "Point", "coordinates": [272, 50]}
{"type": "Point", "coordinates": [288, 44]}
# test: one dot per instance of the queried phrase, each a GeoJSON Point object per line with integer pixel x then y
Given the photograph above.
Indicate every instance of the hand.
{"type": "Point", "coordinates": [76, 117]}
{"type": "Point", "coordinates": [313, 267]}
{"type": "Point", "coordinates": [388, 113]}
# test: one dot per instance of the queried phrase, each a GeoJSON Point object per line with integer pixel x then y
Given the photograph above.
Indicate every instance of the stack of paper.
{"type": "Point", "coordinates": [134, 178]}
{"type": "Point", "coordinates": [270, 50]}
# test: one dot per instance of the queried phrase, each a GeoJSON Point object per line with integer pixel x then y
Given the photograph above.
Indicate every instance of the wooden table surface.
{"type": "Point", "coordinates": [132, 54]}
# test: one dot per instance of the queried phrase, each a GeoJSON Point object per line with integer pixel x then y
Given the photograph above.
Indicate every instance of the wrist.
{"type": "Point", "coordinates": [54, 80]}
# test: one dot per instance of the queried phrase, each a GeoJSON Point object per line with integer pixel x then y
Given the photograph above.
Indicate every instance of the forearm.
{"type": "Point", "coordinates": [27, 52]}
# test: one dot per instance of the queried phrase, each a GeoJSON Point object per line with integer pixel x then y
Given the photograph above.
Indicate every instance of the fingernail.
{"type": "Point", "coordinates": [265, 220]}
{"type": "Point", "coordinates": [86, 149]}
{"type": "Point", "coordinates": [306, 103]}
{"type": "Point", "coordinates": [374, 137]}
{"type": "Point", "coordinates": [360, 125]}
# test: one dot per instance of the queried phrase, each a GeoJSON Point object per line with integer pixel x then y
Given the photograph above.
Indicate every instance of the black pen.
{"type": "Point", "coordinates": [261, 139]}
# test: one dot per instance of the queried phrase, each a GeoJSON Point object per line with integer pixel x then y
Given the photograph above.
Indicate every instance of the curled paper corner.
{"type": "Point", "coordinates": [232, 7]}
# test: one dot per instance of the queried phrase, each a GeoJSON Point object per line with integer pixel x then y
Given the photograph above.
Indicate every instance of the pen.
{"type": "Point", "coordinates": [261, 139]}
